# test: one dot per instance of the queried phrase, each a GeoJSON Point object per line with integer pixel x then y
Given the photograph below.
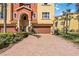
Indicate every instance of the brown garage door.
{"type": "Point", "coordinates": [42, 29]}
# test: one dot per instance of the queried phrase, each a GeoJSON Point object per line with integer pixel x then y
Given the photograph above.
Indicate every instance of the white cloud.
{"type": "Point", "coordinates": [57, 8]}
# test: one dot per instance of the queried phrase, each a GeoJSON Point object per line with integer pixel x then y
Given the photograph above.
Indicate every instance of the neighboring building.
{"type": "Point", "coordinates": [21, 16]}
{"type": "Point", "coordinates": [73, 26]}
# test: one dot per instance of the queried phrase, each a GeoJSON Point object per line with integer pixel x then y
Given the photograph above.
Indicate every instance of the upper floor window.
{"type": "Point", "coordinates": [34, 15]}
{"type": "Point", "coordinates": [1, 11]}
{"type": "Point", "coordinates": [45, 4]}
{"type": "Point", "coordinates": [45, 15]}
{"type": "Point", "coordinates": [24, 4]}
{"type": "Point", "coordinates": [14, 15]}
{"type": "Point", "coordinates": [1, 16]}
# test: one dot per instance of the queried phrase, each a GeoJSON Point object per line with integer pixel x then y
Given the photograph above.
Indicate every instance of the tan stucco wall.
{"type": "Point", "coordinates": [42, 8]}
{"type": "Point", "coordinates": [74, 22]}
{"type": "Point", "coordinates": [8, 14]}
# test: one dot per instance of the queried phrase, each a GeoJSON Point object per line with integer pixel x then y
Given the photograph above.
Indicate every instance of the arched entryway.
{"type": "Point", "coordinates": [24, 22]}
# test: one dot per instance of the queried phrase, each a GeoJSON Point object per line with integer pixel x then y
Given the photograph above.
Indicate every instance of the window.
{"type": "Point", "coordinates": [34, 15]}
{"type": "Point", "coordinates": [45, 15]}
{"type": "Point", "coordinates": [1, 16]}
{"type": "Point", "coordinates": [1, 11]}
{"type": "Point", "coordinates": [45, 4]}
{"type": "Point", "coordinates": [15, 15]}
{"type": "Point", "coordinates": [24, 4]}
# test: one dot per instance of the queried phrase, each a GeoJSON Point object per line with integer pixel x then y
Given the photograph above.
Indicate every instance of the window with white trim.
{"type": "Point", "coordinates": [45, 15]}
{"type": "Point", "coordinates": [14, 15]}
{"type": "Point", "coordinates": [1, 11]}
{"type": "Point", "coordinates": [34, 15]}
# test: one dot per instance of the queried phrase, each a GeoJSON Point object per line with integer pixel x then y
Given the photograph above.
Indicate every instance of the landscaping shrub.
{"type": "Point", "coordinates": [19, 36]}
{"type": "Point", "coordinates": [10, 38]}
{"type": "Point", "coordinates": [76, 41]}
{"type": "Point", "coordinates": [5, 39]}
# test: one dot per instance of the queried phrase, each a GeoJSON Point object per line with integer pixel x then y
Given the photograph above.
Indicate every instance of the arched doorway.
{"type": "Point", "coordinates": [23, 22]}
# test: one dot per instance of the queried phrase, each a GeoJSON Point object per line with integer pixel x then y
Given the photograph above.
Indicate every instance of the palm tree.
{"type": "Point", "coordinates": [56, 21]}
{"type": "Point", "coordinates": [4, 13]}
{"type": "Point", "coordinates": [69, 19]}
{"type": "Point", "coordinates": [63, 22]}
{"type": "Point", "coordinates": [66, 18]}
{"type": "Point", "coordinates": [55, 24]}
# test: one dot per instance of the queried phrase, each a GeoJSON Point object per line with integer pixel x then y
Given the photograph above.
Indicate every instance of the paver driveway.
{"type": "Point", "coordinates": [45, 45]}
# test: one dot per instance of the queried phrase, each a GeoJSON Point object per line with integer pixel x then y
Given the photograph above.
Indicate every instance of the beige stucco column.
{"type": "Point", "coordinates": [29, 23]}
{"type": "Point", "coordinates": [18, 24]}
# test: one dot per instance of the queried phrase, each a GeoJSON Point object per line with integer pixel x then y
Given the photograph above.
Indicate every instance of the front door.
{"type": "Point", "coordinates": [23, 22]}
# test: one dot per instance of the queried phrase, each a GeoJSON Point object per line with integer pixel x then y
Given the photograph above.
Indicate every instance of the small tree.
{"type": "Point", "coordinates": [55, 24]}
{"type": "Point", "coordinates": [69, 19]}
{"type": "Point", "coordinates": [62, 18]}
{"type": "Point", "coordinates": [66, 14]}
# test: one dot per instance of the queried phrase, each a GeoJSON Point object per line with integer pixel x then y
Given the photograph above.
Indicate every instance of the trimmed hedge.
{"type": "Point", "coordinates": [9, 38]}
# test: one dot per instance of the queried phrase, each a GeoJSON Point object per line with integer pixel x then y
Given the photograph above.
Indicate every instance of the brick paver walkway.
{"type": "Point", "coordinates": [45, 45]}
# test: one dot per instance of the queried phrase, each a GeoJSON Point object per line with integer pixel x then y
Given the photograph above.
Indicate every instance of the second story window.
{"type": "Point", "coordinates": [34, 15]}
{"type": "Point", "coordinates": [45, 4]}
{"type": "Point", "coordinates": [14, 15]}
{"type": "Point", "coordinates": [1, 11]}
{"type": "Point", "coordinates": [24, 4]}
{"type": "Point", "coordinates": [1, 15]}
{"type": "Point", "coordinates": [45, 15]}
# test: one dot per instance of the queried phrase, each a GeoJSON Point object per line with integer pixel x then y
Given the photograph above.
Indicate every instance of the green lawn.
{"type": "Point", "coordinates": [74, 37]}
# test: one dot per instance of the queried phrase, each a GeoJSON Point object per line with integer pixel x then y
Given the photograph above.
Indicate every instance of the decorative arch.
{"type": "Point", "coordinates": [24, 22]}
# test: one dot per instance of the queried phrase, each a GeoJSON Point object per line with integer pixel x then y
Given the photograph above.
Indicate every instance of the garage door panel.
{"type": "Point", "coordinates": [42, 29]}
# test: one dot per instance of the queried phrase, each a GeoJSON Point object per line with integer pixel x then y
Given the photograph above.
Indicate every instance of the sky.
{"type": "Point", "coordinates": [59, 7]}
